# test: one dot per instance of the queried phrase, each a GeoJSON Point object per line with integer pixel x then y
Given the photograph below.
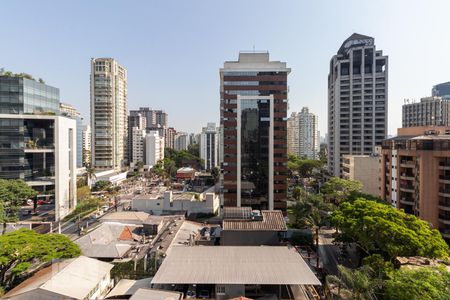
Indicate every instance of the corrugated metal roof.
{"type": "Point", "coordinates": [72, 278]}
{"type": "Point", "coordinates": [272, 220]}
{"type": "Point", "coordinates": [152, 294]}
{"type": "Point", "coordinates": [234, 265]}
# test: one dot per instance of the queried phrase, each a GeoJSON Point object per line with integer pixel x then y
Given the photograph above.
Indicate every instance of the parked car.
{"type": "Point", "coordinates": [105, 208]}
{"type": "Point", "coordinates": [41, 202]}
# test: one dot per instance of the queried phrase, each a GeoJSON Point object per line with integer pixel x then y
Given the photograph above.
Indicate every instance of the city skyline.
{"type": "Point", "coordinates": [163, 47]}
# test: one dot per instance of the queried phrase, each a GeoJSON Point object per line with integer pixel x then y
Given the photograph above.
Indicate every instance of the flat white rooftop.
{"type": "Point", "coordinates": [266, 265]}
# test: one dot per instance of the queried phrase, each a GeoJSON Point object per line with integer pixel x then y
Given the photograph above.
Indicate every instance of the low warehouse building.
{"type": "Point", "coordinates": [226, 272]}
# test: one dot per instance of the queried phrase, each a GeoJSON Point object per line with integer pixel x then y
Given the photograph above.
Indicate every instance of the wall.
{"type": "Point", "coordinates": [249, 238]}
{"type": "Point", "coordinates": [65, 166]}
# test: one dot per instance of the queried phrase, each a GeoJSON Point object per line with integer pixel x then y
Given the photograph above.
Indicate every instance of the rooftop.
{"type": "Point", "coordinates": [131, 216]}
{"type": "Point", "coordinates": [128, 287]}
{"type": "Point", "coordinates": [109, 240]}
{"type": "Point", "coordinates": [234, 265]}
{"type": "Point", "coordinates": [152, 294]}
{"type": "Point", "coordinates": [71, 278]}
{"type": "Point", "coordinates": [272, 220]}
{"type": "Point", "coordinates": [237, 213]}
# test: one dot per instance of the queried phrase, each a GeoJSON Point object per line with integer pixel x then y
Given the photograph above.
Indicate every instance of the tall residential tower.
{"type": "Point", "coordinates": [357, 100]}
{"type": "Point", "coordinates": [253, 114]}
{"type": "Point", "coordinates": [109, 123]}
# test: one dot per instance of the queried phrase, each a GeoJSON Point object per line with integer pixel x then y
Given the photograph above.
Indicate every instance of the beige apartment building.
{"type": "Point", "coordinates": [363, 168]}
{"type": "Point", "coordinates": [415, 174]}
{"type": "Point", "coordinates": [109, 122]}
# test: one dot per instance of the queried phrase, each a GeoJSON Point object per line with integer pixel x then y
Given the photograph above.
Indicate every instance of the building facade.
{"type": "Point", "coordinates": [365, 169]}
{"type": "Point", "coordinates": [169, 137]}
{"type": "Point", "coordinates": [138, 141]}
{"type": "Point", "coordinates": [253, 114]}
{"type": "Point", "coordinates": [293, 134]}
{"type": "Point", "coordinates": [86, 141]}
{"type": "Point", "coordinates": [209, 145]}
{"type": "Point", "coordinates": [303, 134]}
{"type": "Point", "coordinates": [309, 134]}
{"type": "Point", "coordinates": [69, 111]}
{"type": "Point", "coordinates": [154, 148]}
{"type": "Point", "coordinates": [415, 174]}
{"type": "Point", "coordinates": [109, 122]}
{"type": "Point", "coordinates": [38, 145]}
{"type": "Point", "coordinates": [441, 90]}
{"type": "Point", "coordinates": [135, 120]}
{"type": "Point", "coordinates": [181, 141]}
{"type": "Point", "coordinates": [357, 100]}
{"type": "Point", "coordinates": [430, 111]}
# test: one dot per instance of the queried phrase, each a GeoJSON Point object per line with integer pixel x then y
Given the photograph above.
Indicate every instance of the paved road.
{"type": "Point", "coordinates": [329, 253]}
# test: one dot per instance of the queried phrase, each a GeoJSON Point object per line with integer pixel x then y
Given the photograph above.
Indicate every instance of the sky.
{"type": "Point", "coordinates": [173, 49]}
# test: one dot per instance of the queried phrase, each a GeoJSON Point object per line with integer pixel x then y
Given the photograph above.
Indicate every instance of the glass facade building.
{"type": "Point", "coordinates": [25, 96]}
{"type": "Point", "coordinates": [19, 138]}
{"type": "Point", "coordinates": [255, 125]}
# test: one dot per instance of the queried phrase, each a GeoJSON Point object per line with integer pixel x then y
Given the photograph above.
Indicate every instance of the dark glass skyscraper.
{"type": "Point", "coordinates": [253, 114]}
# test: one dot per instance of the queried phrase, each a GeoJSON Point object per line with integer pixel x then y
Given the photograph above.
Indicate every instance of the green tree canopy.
{"type": "Point", "coordinates": [337, 189]}
{"type": "Point", "coordinates": [377, 227]}
{"type": "Point", "coordinates": [310, 211]}
{"type": "Point", "coordinates": [101, 185]}
{"type": "Point", "coordinates": [423, 283]}
{"type": "Point", "coordinates": [354, 284]}
{"type": "Point", "coordinates": [24, 248]}
{"type": "Point", "coordinates": [304, 167]}
{"type": "Point", "coordinates": [12, 195]}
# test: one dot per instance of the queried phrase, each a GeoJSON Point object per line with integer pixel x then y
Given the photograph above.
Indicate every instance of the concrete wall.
{"type": "Point", "coordinates": [209, 205]}
{"type": "Point", "coordinates": [249, 238]}
{"type": "Point", "coordinates": [65, 166]}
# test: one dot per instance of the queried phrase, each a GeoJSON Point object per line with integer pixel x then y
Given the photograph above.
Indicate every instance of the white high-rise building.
{"type": "Point", "coordinates": [293, 134]}
{"type": "Point", "coordinates": [86, 141]}
{"type": "Point", "coordinates": [357, 100]}
{"type": "Point", "coordinates": [181, 141]}
{"type": "Point", "coordinates": [309, 134]}
{"type": "Point", "coordinates": [209, 146]}
{"type": "Point", "coordinates": [109, 122]}
{"type": "Point", "coordinates": [154, 148]}
{"type": "Point", "coordinates": [303, 136]}
{"type": "Point", "coordinates": [138, 140]}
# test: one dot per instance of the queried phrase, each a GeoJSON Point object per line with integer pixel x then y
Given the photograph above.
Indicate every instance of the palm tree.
{"type": "Point", "coordinates": [90, 174]}
{"type": "Point", "coordinates": [358, 284]}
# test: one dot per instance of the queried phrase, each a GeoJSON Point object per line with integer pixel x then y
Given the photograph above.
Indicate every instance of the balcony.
{"type": "Point", "coordinates": [445, 233]}
{"type": "Point", "coordinates": [444, 179]}
{"type": "Point", "coordinates": [407, 188]}
{"type": "Point", "coordinates": [407, 176]}
{"type": "Point", "coordinates": [407, 201]}
{"type": "Point", "coordinates": [407, 164]}
{"type": "Point", "coordinates": [444, 193]}
{"type": "Point", "coordinates": [444, 166]}
{"type": "Point", "coordinates": [38, 146]}
{"type": "Point", "coordinates": [444, 218]}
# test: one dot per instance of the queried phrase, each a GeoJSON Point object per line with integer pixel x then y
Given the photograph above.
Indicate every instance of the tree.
{"type": "Point", "coordinates": [215, 172]}
{"type": "Point", "coordinates": [12, 195]}
{"type": "Point", "coordinates": [90, 174]}
{"type": "Point", "coordinates": [194, 149]}
{"type": "Point", "coordinates": [22, 249]}
{"type": "Point", "coordinates": [337, 189]}
{"type": "Point", "coordinates": [101, 185]}
{"type": "Point", "coordinates": [354, 284]}
{"type": "Point", "coordinates": [140, 165]}
{"type": "Point", "coordinates": [425, 283]}
{"type": "Point", "coordinates": [379, 228]}
{"type": "Point", "coordinates": [304, 167]}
